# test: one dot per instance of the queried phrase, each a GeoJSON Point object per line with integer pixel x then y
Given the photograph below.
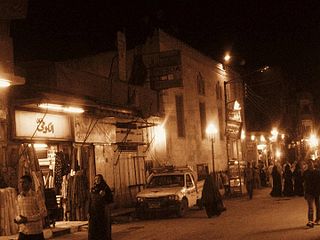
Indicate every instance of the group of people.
{"type": "Point", "coordinates": [287, 182]}
{"type": "Point", "coordinates": [298, 179]}
{"type": "Point", "coordinates": [31, 210]}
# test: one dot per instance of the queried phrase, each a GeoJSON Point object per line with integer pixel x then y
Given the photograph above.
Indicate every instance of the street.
{"type": "Point", "coordinates": [261, 218]}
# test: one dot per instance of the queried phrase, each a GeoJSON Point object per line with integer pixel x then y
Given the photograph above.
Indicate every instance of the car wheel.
{"type": "Point", "coordinates": [182, 208]}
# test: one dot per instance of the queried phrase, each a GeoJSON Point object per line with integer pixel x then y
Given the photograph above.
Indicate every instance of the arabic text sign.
{"type": "Point", "coordinates": [165, 69]}
{"type": "Point", "coordinates": [52, 126]}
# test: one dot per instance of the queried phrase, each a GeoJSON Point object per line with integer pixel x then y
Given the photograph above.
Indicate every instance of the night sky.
{"type": "Point", "coordinates": [284, 34]}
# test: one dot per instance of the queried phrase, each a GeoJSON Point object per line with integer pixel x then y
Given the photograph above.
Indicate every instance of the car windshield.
{"type": "Point", "coordinates": [166, 180]}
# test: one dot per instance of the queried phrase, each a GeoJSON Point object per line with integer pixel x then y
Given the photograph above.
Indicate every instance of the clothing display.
{"type": "Point", "coordinates": [58, 171]}
{"type": "Point", "coordinates": [8, 211]}
{"type": "Point", "coordinates": [77, 197]}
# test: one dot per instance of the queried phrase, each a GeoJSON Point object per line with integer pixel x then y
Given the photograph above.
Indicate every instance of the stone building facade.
{"type": "Point", "coordinates": [145, 107]}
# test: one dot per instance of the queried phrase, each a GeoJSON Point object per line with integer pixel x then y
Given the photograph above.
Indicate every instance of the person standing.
{"type": "Point", "coordinates": [263, 176]}
{"type": "Point", "coordinates": [99, 211]}
{"type": "Point", "coordinates": [317, 191]}
{"type": "Point", "coordinates": [298, 180]}
{"type": "Point", "coordinates": [288, 184]}
{"type": "Point", "coordinates": [211, 197]}
{"type": "Point", "coordinates": [311, 193]}
{"type": "Point", "coordinates": [249, 179]}
{"type": "Point", "coordinates": [31, 210]}
{"type": "Point", "coordinates": [276, 182]}
{"type": "Point", "coordinates": [269, 173]}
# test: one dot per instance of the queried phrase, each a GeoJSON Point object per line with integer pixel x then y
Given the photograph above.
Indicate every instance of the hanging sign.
{"type": "Point", "coordinates": [234, 121]}
{"type": "Point", "coordinates": [39, 125]}
{"type": "Point", "coordinates": [164, 69]}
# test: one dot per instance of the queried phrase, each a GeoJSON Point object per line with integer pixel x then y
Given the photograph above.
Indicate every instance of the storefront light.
{"type": "Point", "coordinates": [236, 106]}
{"type": "Point", "coordinates": [313, 140]}
{"type": "Point", "coordinates": [252, 137]}
{"type": "Point", "coordinates": [274, 134]}
{"type": "Point", "coordinates": [243, 135]}
{"type": "Point", "coordinates": [160, 134]}
{"type": "Point", "coordinates": [261, 146]}
{"type": "Point", "coordinates": [40, 145]}
{"type": "Point", "coordinates": [60, 108]}
{"type": "Point", "coordinates": [4, 83]}
{"type": "Point", "coordinates": [73, 110]}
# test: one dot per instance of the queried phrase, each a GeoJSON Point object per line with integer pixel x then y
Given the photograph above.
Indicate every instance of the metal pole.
{"type": "Point", "coordinates": [212, 151]}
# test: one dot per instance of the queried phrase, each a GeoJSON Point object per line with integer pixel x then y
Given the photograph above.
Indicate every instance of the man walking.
{"type": "Point", "coordinates": [311, 192]}
{"type": "Point", "coordinates": [31, 210]}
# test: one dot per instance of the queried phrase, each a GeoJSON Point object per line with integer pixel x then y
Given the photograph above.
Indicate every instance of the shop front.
{"type": "Point", "coordinates": [43, 145]}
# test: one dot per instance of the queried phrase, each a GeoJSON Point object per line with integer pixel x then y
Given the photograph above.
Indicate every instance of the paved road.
{"type": "Point", "coordinates": [261, 218]}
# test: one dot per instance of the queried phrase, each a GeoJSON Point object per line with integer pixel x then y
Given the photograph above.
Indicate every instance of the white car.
{"type": "Point", "coordinates": [173, 190]}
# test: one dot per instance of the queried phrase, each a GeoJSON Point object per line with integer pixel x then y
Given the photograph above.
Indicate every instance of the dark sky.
{"type": "Point", "coordinates": [277, 33]}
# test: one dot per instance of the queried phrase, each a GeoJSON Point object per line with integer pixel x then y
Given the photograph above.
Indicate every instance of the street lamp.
{"type": "Point", "coordinates": [227, 57]}
{"type": "Point", "coordinates": [314, 142]}
{"type": "Point", "coordinates": [211, 132]}
{"type": "Point", "coordinates": [4, 83]}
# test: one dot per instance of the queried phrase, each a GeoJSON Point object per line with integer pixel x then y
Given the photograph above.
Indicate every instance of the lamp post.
{"type": "Point", "coordinates": [211, 131]}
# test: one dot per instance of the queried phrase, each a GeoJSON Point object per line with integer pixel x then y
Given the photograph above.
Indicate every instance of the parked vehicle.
{"type": "Point", "coordinates": [172, 189]}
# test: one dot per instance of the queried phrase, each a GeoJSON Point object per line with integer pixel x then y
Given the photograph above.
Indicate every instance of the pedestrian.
{"type": "Point", "coordinates": [298, 180]}
{"type": "Point", "coordinates": [249, 179]}
{"type": "Point", "coordinates": [99, 211]}
{"type": "Point", "coordinates": [256, 176]}
{"type": "Point", "coordinates": [225, 181]}
{"type": "Point", "coordinates": [263, 176]}
{"type": "Point", "coordinates": [269, 172]}
{"type": "Point", "coordinates": [288, 184]}
{"type": "Point", "coordinates": [276, 182]}
{"type": "Point", "coordinates": [31, 210]}
{"type": "Point", "coordinates": [211, 197]}
{"type": "Point", "coordinates": [311, 195]}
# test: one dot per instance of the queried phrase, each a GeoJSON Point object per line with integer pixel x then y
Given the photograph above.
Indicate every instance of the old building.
{"type": "Point", "coordinates": [121, 113]}
{"type": "Point", "coordinates": [195, 92]}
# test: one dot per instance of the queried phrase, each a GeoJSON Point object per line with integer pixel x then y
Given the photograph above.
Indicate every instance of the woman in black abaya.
{"type": "Point", "coordinates": [288, 183]}
{"type": "Point", "coordinates": [99, 212]}
{"type": "Point", "coordinates": [211, 197]}
{"type": "Point", "coordinates": [276, 186]}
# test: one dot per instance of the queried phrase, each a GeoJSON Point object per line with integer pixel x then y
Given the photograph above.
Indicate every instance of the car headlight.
{"type": "Point", "coordinates": [173, 197]}
{"type": "Point", "coordinates": [140, 199]}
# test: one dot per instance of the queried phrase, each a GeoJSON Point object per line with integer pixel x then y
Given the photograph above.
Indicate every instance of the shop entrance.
{"type": "Point", "coordinates": [55, 163]}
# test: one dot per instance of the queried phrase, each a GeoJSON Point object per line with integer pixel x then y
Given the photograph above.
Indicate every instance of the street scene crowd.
{"type": "Point", "coordinates": [287, 180]}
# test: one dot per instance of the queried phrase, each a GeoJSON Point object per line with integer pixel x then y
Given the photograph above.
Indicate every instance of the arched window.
{"type": "Point", "coordinates": [218, 91]}
{"type": "Point", "coordinates": [200, 84]}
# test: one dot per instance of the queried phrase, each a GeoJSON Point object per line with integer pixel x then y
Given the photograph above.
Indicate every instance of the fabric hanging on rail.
{"type": "Point", "coordinates": [29, 165]}
{"type": "Point", "coordinates": [77, 196]}
{"type": "Point", "coordinates": [8, 211]}
{"type": "Point", "coordinates": [66, 164]}
{"type": "Point", "coordinates": [58, 171]}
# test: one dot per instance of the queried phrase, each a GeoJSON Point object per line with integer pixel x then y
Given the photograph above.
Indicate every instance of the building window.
{"type": "Point", "coordinates": [202, 171]}
{"type": "Point", "coordinates": [180, 116]}
{"type": "Point", "coordinates": [218, 91]}
{"type": "Point", "coordinates": [203, 119]}
{"type": "Point", "coordinates": [200, 84]}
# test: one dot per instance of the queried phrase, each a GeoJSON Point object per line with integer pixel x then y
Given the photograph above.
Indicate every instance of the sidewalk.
{"type": "Point", "coordinates": [68, 227]}
{"type": "Point", "coordinates": [61, 228]}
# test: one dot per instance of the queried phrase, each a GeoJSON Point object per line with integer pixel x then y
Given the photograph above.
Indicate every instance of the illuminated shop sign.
{"type": "Point", "coordinates": [42, 126]}
{"type": "Point", "coordinates": [234, 121]}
